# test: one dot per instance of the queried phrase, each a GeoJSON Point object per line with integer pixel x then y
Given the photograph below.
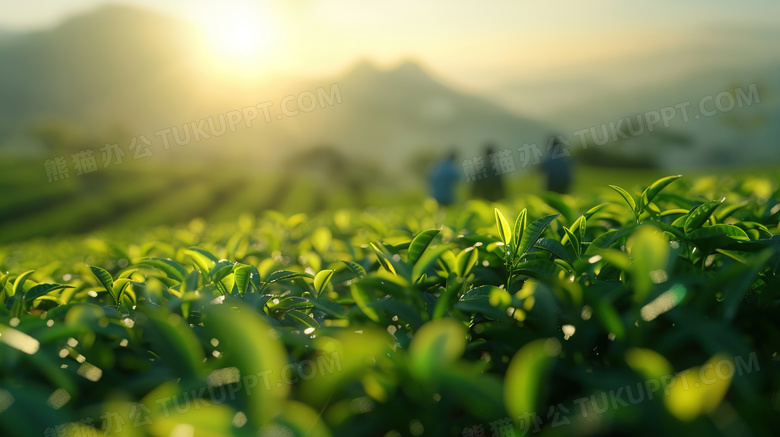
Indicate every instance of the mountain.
{"type": "Point", "coordinates": [700, 51]}
{"type": "Point", "coordinates": [119, 68]}
{"type": "Point", "coordinates": [746, 134]}
{"type": "Point", "coordinates": [5, 36]}
{"type": "Point", "coordinates": [118, 71]}
{"type": "Point", "coordinates": [390, 115]}
{"type": "Point", "coordinates": [116, 64]}
{"type": "Point", "coordinates": [691, 65]}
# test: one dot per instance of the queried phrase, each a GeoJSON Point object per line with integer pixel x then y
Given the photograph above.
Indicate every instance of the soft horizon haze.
{"type": "Point", "coordinates": [534, 58]}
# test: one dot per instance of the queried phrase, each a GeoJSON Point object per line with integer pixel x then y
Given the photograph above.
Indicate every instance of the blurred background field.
{"type": "Point", "coordinates": [361, 102]}
{"type": "Point", "coordinates": [139, 198]}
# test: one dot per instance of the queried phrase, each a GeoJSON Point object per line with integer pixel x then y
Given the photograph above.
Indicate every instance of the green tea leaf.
{"type": "Point", "coordinates": [419, 244]}
{"type": "Point", "coordinates": [212, 421]}
{"type": "Point", "coordinates": [700, 215]}
{"type": "Point", "coordinates": [649, 251]}
{"type": "Point", "coordinates": [649, 363]}
{"type": "Point", "coordinates": [539, 268]}
{"type": "Point", "coordinates": [727, 210]}
{"type": "Point", "coordinates": [692, 392]}
{"type": "Point", "coordinates": [728, 232]}
{"type": "Point", "coordinates": [608, 316]}
{"type": "Point", "coordinates": [363, 298]}
{"type": "Point", "coordinates": [477, 300]}
{"type": "Point", "coordinates": [436, 346]}
{"type": "Point", "coordinates": [383, 256]}
{"type": "Point", "coordinates": [221, 270]}
{"type": "Point", "coordinates": [428, 259]}
{"type": "Point", "coordinates": [321, 280]}
{"type": "Point", "coordinates": [321, 239]}
{"type": "Point", "coordinates": [298, 419]}
{"type": "Point", "coordinates": [756, 231]}
{"type": "Point", "coordinates": [284, 275]}
{"type": "Point", "coordinates": [203, 260]}
{"type": "Point", "coordinates": [119, 288]}
{"type": "Point", "coordinates": [627, 197]}
{"type": "Point", "coordinates": [249, 343]}
{"type": "Point", "coordinates": [42, 289]}
{"type": "Point", "coordinates": [241, 273]}
{"type": "Point", "coordinates": [301, 318]}
{"type": "Point", "coordinates": [520, 224]}
{"type": "Point", "coordinates": [127, 273]}
{"type": "Point", "coordinates": [533, 232]}
{"type": "Point", "coordinates": [466, 261]}
{"type": "Point", "coordinates": [573, 240]}
{"type": "Point", "coordinates": [205, 253]}
{"type": "Point", "coordinates": [105, 279]}
{"type": "Point", "coordinates": [171, 268]}
{"type": "Point", "coordinates": [603, 241]}
{"type": "Point", "coordinates": [329, 307]}
{"type": "Point", "coordinates": [673, 211]}
{"type": "Point", "coordinates": [580, 227]}
{"type": "Point", "coordinates": [481, 395]}
{"type": "Point", "coordinates": [172, 340]}
{"type": "Point", "coordinates": [355, 268]}
{"type": "Point", "coordinates": [616, 258]}
{"type": "Point", "coordinates": [527, 377]}
{"type": "Point", "coordinates": [448, 262]}
{"type": "Point", "coordinates": [504, 231]}
{"type": "Point", "coordinates": [554, 247]}
{"type": "Point", "coordinates": [736, 288]}
{"type": "Point", "coordinates": [18, 287]}
{"type": "Point", "coordinates": [591, 212]}
{"type": "Point", "coordinates": [656, 187]}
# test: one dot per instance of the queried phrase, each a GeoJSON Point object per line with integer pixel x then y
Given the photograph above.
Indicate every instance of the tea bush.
{"type": "Point", "coordinates": [618, 313]}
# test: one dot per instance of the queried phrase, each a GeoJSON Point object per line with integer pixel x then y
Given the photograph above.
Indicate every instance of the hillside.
{"type": "Point", "coordinates": [389, 115]}
{"type": "Point", "coordinates": [124, 69]}
{"type": "Point", "coordinates": [115, 64]}
{"type": "Point", "coordinates": [740, 136]}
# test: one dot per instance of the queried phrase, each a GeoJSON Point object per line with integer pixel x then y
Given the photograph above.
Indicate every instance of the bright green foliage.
{"type": "Point", "coordinates": [537, 313]}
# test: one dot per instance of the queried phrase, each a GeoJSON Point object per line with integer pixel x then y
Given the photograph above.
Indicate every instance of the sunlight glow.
{"type": "Point", "coordinates": [90, 372]}
{"type": "Point", "coordinates": [663, 303]}
{"type": "Point", "coordinates": [18, 340]}
{"type": "Point", "coordinates": [241, 34]}
{"type": "Point", "coordinates": [59, 398]}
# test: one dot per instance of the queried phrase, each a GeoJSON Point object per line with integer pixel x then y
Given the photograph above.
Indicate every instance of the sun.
{"type": "Point", "coordinates": [243, 35]}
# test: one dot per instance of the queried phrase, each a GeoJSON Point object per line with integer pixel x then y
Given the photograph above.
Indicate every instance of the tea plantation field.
{"type": "Point", "coordinates": [174, 192]}
{"type": "Point", "coordinates": [648, 311]}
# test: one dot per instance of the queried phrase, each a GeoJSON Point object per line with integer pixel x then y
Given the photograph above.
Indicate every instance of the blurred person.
{"type": "Point", "coordinates": [558, 167]}
{"type": "Point", "coordinates": [490, 184]}
{"type": "Point", "coordinates": [443, 179]}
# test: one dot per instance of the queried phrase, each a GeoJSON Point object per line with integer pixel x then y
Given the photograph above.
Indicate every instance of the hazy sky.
{"type": "Point", "coordinates": [498, 13]}
{"type": "Point", "coordinates": [486, 46]}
